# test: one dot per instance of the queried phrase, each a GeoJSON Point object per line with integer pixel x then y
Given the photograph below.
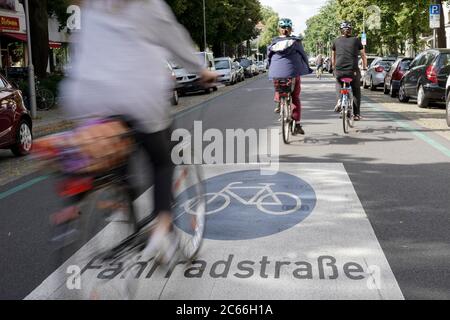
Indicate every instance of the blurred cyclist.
{"type": "Point", "coordinates": [319, 65]}
{"type": "Point", "coordinates": [120, 69]}
{"type": "Point", "coordinates": [287, 59]}
{"type": "Point", "coordinates": [346, 49]}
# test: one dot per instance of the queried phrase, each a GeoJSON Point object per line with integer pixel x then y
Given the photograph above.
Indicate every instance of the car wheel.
{"type": "Point", "coordinates": [24, 140]}
{"type": "Point", "coordinates": [392, 92]}
{"type": "Point", "coordinates": [402, 97]}
{"type": "Point", "coordinates": [175, 98]}
{"type": "Point", "coordinates": [214, 89]}
{"type": "Point", "coordinates": [447, 111]}
{"type": "Point", "coordinates": [208, 91]}
{"type": "Point", "coordinates": [372, 87]}
{"type": "Point", "coordinates": [422, 101]}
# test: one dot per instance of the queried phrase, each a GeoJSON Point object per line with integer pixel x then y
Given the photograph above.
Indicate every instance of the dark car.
{"type": "Point", "coordinates": [395, 75]}
{"type": "Point", "coordinates": [15, 120]}
{"type": "Point", "coordinates": [247, 64]}
{"type": "Point", "coordinates": [426, 78]}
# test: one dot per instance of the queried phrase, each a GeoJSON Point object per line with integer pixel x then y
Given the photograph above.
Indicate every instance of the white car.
{"type": "Point", "coordinates": [261, 66]}
{"type": "Point", "coordinates": [226, 71]}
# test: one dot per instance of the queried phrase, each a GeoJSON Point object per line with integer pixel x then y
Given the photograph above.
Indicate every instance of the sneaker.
{"type": "Point", "coordinates": [299, 129]}
{"type": "Point", "coordinates": [163, 246]}
{"type": "Point", "coordinates": [338, 108]}
{"type": "Point", "coordinates": [277, 109]}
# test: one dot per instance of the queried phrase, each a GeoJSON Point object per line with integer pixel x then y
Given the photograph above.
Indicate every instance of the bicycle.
{"type": "Point", "coordinates": [346, 105]}
{"type": "Point", "coordinates": [319, 72]}
{"type": "Point", "coordinates": [284, 87]}
{"type": "Point", "coordinates": [99, 221]}
{"type": "Point", "coordinates": [45, 99]}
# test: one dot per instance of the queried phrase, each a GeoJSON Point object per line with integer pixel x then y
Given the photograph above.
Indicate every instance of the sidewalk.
{"type": "Point", "coordinates": [432, 118]}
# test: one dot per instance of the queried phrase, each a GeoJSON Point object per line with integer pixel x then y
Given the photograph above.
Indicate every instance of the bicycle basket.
{"type": "Point", "coordinates": [95, 147]}
{"type": "Point", "coordinates": [283, 85]}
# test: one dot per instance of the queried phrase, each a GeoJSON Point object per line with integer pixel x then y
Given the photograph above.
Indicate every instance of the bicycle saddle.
{"type": "Point", "coordinates": [347, 80]}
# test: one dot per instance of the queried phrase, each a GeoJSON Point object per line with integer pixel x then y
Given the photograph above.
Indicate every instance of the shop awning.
{"type": "Point", "coordinates": [23, 37]}
{"type": "Point", "coordinates": [19, 36]}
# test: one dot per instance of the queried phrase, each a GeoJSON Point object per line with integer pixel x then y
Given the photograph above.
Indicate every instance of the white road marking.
{"type": "Point", "coordinates": [332, 254]}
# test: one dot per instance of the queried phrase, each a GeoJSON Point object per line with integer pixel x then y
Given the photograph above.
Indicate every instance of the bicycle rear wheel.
{"type": "Point", "coordinates": [285, 120]}
{"type": "Point", "coordinates": [344, 111]}
{"type": "Point", "coordinates": [106, 218]}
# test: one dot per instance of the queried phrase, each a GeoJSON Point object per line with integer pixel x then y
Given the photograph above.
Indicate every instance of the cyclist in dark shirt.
{"type": "Point", "coordinates": [345, 63]}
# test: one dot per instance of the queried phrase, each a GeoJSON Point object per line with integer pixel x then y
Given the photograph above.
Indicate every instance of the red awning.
{"type": "Point", "coordinates": [54, 45]}
{"type": "Point", "coordinates": [18, 36]}
{"type": "Point", "coordinates": [23, 37]}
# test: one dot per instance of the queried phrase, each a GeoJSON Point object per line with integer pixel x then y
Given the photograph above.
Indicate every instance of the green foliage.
{"type": "Point", "coordinates": [227, 21]}
{"type": "Point", "coordinates": [400, 21]}
{"type": "Point", "coordinates": [270, 20]}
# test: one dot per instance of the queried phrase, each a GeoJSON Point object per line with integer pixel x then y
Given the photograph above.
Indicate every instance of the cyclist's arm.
{"type": "Point", "coordinates": [364, 58]}
{"type": "Point", "coordinates": [161, 23]}
{"type": "Point", "coordinates": [302, 52]}
{"type": "Point", "coordinates": [333, 60]}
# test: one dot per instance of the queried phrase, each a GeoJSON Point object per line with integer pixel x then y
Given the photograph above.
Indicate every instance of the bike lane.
{"type": "Point", "coordinates": [298, 234]}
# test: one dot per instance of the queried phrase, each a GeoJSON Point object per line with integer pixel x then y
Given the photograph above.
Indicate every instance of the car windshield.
{"type": "Point", "coordinates": [245, 63]}
{"type": "Point", "coordinates": [405, 64]}
{"type": "Point", "coordinates": [222, 64]}
{"type": "Point", "coordinates": [386, 63]}
{"type": "Point", "coordinates": [174, 65]}
{"type": "Point", "coordinates": [445, 59]}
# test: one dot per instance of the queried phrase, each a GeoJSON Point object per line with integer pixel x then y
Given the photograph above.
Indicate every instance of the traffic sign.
{"type": "Point", "coordinates": [435, 16]}
{"type": "Point", "coordinates": [364, 39]}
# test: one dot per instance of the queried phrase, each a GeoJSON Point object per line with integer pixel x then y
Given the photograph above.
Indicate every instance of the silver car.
{"type": "Point", "coordinates": [375, 75]}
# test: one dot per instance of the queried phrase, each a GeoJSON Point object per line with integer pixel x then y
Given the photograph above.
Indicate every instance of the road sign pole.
{"type": "Point", "coordinates": [31, 80]}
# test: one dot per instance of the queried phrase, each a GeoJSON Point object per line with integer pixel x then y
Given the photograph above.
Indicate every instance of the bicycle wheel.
{"type": "Point", "coordinates": [106, 218]}
{"type": "Point", "coordinates": [350, 119]}
{"type": "Point", "coordinates": [345, 114]}
{"type": "Point", "coordinates": [189, 209]}
{"type": "Point", "coordinates": [285, 120]}
{"type": "Point", "coordinates": [45, 99]}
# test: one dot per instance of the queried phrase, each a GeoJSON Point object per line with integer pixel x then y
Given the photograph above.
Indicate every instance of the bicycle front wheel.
{"type": "Point", "coordinates": [45, 99]}
{"type": "Point", "coordinates": [285, 120]}
{"type": "Point", "coordinates": [189, 209]}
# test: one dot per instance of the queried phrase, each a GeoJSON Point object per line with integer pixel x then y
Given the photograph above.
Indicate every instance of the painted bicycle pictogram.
{"type": "Point", "coordinates": [264, 199]}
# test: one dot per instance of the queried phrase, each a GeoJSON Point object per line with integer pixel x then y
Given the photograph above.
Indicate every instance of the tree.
{"type": "Point", "coordinates": [270, 20]}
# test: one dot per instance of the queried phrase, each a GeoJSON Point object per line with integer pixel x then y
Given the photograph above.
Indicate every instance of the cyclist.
{"type": "Point", "coordinates": [319, 65]}
{"type": "Point", "coordinates": [345, 64]}
{"type": "Point", "coordinates": [287, 59]}
{"type": "Point", "coordinates": [120, 70]}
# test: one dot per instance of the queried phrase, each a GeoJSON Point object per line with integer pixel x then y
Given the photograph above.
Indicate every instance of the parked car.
{"type": "Point", "coordinates": [393, 77]}
{"type": "Point", "coordinates": [255, 68]}
{"type": "Point", "coordinates": [188, 82]}
{"type": "Point", "coordinates": [447, 102]}
{"type": "Point", "coordinates": [225, 70]}
{"type": "Point", "coordinates": [376, 73]}
{"type": "Point", "coordinates": [15, 121]}
{"type": "Point", "coordinates": [174, 99]}
{"type": "Point", "coordinates": [240, 74]}
{"type": "Point", "coordinates": [312, 62]}
{"type": "Point", "coordinates": [370, 59]}
{"type": "Point", "coordinates": [261, 67]}
{"type": "Point", "coordinates": [249, 67]}
{"type": "Point", "coordinates": [426, 78]}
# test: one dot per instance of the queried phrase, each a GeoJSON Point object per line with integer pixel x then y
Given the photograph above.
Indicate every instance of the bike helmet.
{"type": "Point", "coordinates": [346, 25]}
{"type": "Point", "coordinates": [285, 23]}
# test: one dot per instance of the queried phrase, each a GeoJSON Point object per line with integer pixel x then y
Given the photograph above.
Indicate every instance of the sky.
{"type": "Point", "coordinates": [297, 10]}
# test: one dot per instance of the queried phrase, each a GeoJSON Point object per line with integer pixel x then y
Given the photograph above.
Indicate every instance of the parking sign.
{"type": "Point", "coordinates": [435, 16]}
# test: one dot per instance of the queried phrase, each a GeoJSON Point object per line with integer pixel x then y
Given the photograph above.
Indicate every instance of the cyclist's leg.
{"type": "Point", "coordinates": [356, 88]}
{"type": "Point", "coordinates": [276, 99]}
{"type": "Point", "coordinates": [296, 103]}
{"type": "Point", "coordinates": [338, 91]}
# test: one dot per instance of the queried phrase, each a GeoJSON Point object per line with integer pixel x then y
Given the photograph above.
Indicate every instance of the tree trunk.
{"type": "Point", "coordinates": [441, 34]}
{"type": "Point", "coordinates": [39, 36]}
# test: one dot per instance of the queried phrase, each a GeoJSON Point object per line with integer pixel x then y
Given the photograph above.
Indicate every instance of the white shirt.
{"type": "Point", "coordinates": [120, 62]}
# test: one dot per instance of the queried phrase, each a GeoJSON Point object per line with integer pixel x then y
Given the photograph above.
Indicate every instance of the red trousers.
{"type": "Point", "coordinates": [296, 103]}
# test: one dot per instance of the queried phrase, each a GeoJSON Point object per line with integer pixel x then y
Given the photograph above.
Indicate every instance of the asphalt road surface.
{"type": "Point", "coordinates": [369, 219]}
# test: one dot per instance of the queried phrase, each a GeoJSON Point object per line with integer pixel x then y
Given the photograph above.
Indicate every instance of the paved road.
{"type": "Point", "coordinates": [367, 208]}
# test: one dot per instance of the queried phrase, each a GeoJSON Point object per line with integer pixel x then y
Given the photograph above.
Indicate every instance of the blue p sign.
{"type": "Point", "coordinates": [435, 9]}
